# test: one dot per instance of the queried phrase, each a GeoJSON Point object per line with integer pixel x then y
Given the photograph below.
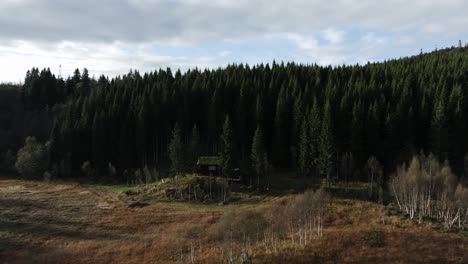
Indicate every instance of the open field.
{"type": "Point", "coordinates": [73, 223]}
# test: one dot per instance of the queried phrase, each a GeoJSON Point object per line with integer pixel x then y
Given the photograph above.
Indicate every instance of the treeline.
{"type": "Point", "coordinates": [313, 119]}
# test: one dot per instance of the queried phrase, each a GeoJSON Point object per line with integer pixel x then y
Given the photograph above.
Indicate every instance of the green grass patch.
{"type": "Point", "coordinates": [110, 187]}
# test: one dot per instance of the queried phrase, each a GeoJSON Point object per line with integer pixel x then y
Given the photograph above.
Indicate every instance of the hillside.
{"type": "Point", "coordinates": [389, 110]}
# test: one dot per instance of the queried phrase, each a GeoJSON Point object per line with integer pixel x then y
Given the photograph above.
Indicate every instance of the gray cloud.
{"type": "Point", "coordinates": [192, 21]}
{"type": "Point", "coordinates": [112, 36]}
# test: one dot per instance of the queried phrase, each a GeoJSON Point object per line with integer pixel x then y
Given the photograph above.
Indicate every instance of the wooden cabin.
{"type": "Point", "coordinates": [209, 166]}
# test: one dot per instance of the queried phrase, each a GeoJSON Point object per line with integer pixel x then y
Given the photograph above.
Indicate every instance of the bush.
{"type": "Point", "coordinates": [33, 158]}
{"type": "Point", "coordinates": [374, 238]}
{"type": "Point", "coordinates": [238, 233]}
{"type": "Point", "coordinates": [244, 225]}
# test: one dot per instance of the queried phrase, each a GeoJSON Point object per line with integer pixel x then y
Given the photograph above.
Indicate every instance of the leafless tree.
{"type": "Point", "coordinates": [111, 169]}
{"type": "Point", "coordinates": [147, 173]}
{"type": "Point", "coordinates": [87, 169]}
{"type": "Point", "coordinates": [374, 170]}
{"type": "Point", "coordinates": [305, 216]}
{"type": "Point", "coordinates": [428, 189]}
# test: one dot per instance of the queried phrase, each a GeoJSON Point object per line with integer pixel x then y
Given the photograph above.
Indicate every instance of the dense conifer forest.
{"type": "Point", "coordinates": [318, 121]}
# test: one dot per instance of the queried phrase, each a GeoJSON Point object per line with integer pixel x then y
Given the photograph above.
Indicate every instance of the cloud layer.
{"type": "Point", "coordinates": [112, 36]}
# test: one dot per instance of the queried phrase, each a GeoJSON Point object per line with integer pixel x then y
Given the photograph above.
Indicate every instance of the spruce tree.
{"type": "Point", "coordinates": [226, 154]}
{"type": "Point", "coordinates": [439, 131]}
{"type": "Point", "coordinates": [257, 154]}
{"type": "Point", "coordinates": [175, 151]}
{"type": "Point", "coordinates": [304, 149]}
{"type": "Point", "coordinates": [357, 133]}
{"type": "Point", "coordinates": [314, 122]}
{"type": "Point", "coordinates": [98, 142]}
{"type": "Point", "coordinates": [193, 148]}
{"type": "Point", "coordinates": [141, 141]}
{"type": "Point", "coordinates": [325, 147]}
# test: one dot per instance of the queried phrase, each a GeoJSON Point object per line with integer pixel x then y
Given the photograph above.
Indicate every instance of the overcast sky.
{"type": "Point", "coordinates": [113, 36]}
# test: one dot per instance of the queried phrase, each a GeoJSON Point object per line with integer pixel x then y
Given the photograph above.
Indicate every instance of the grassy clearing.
{"type": "Point", "coordinates": [64, 223]}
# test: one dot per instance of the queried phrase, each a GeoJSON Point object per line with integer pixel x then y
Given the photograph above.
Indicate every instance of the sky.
{"type": "Point", "coordinates": [111, 37]}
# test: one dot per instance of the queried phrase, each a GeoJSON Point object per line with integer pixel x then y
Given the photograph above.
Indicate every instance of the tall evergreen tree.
{"type": "Point", "coordinates": [439, 129]}
{"type": "Point", "coordinates": [314, 121]}
{"type": "Point", "coordinates": [257, 155]}
{"type": "Point", "coordinates": [176, 151]}
{"type": "Point", "coordinates": [325, 147]}
{"type": "Point", "coordinates": [226, 156]}
{"type": "Point", "coordinates": [194, 147]}
{"type": "Point", "coordinates": [304, 149]}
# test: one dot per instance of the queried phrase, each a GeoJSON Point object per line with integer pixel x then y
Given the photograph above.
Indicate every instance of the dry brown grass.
{"type": "Point", "coordinates": [68, 223]}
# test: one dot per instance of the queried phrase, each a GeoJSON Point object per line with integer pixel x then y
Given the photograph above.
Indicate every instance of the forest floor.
{"type": "Point", "coordinates": [73, 223]}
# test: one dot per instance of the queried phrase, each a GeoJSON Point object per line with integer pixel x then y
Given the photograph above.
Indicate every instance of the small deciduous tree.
{"type": "Point", "coordinates": [305, 216]}
{"type": "Point", "coordinates": [32, 159]}
{"type": "Point", "coordinates": [87, 169]}
{"type": "Point", "coordinates": [111, 170]}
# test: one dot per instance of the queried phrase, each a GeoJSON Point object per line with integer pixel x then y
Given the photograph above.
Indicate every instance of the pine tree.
{"type": "Point", "coordinates": [357, 135]}
{"type": "Point", "coordinates": [226, 148]}
{"type": "Point", "coordinates": [257, 155]}
{"type": "Point", "coordinates": [141, 141]}
{"type": "Point", "coordinates": [194, 147]}
{"type": "Point", "coordinates": [175, 151]}
{"type": "Point", "coordinates": [314, 121]}
{"type": "Point", "coordinates": [458, 128]}
{"type": "Point", "coordinates": [282, 127]}
{"type": "Point", "coordinates": [439, 129]}
{"type": "Point", "coordinates": [325, 147]}
{"type": "Point", "coordinates": [297, 133]}
{"type": "Point", "coordinates": [97, 142]}
{"type": "Point", "coordinates": [304, 149]}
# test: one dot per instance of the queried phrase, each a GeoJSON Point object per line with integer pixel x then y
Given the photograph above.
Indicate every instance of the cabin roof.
{"type": "Point", "coordinates": [209, 161]}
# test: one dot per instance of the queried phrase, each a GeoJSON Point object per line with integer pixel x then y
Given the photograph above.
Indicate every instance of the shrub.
{"type": "Point", "coordinates": [239, 231]}
{"type": "Point", "coordinates": [33, 158]}
{"type": "Point", "coordinates": [239, 226]}
{"type": "Point", "coordinates": [374, 238]}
